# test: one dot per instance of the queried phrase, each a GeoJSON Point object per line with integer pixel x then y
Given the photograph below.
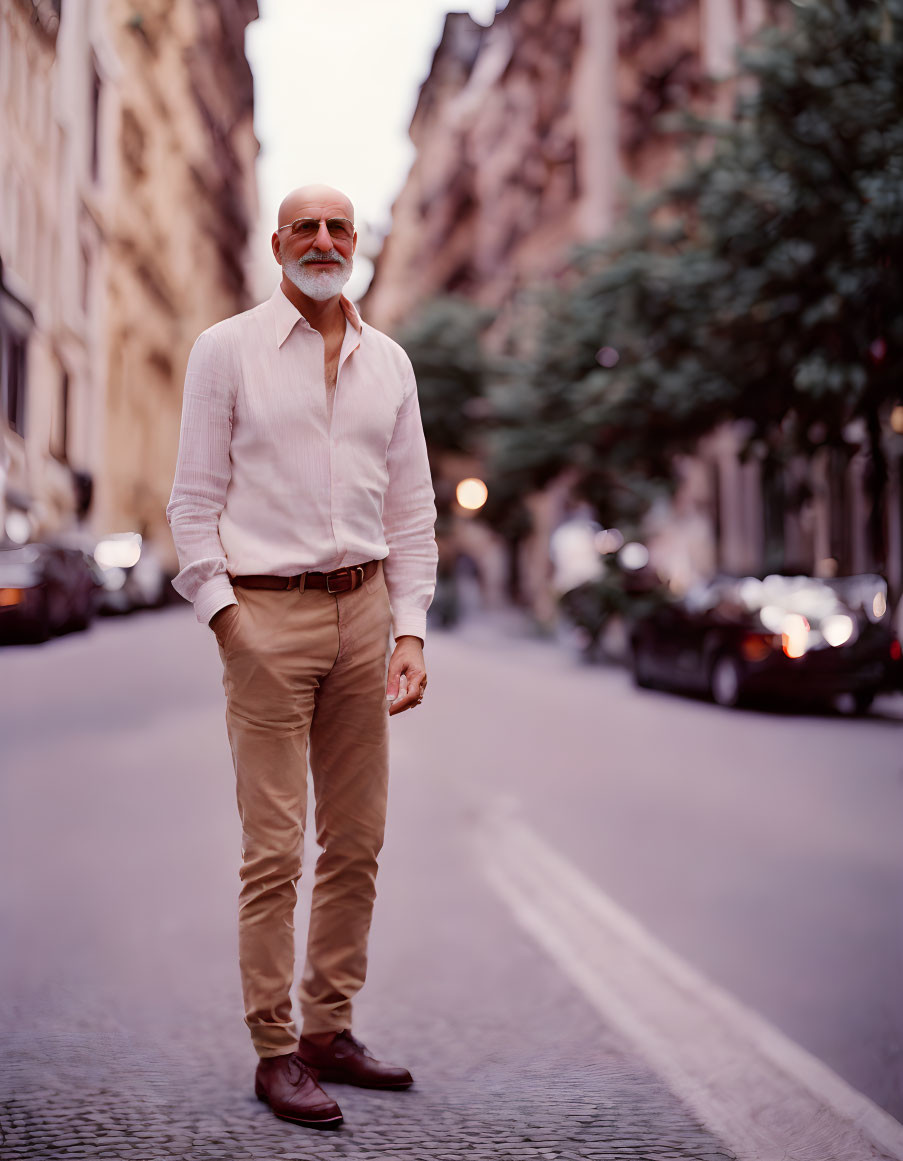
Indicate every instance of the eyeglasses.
{"type": "Point", "coordinates": [340, 229]}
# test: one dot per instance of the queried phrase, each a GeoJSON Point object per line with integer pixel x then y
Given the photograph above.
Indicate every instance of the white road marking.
{"type": "Point", "coordinates": [761, 1093]}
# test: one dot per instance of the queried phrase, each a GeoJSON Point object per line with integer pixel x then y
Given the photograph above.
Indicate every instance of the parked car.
{"type": "Point", "coordinates": [45, 589]}
{"type": "Point", "coordinates": [797, 638]}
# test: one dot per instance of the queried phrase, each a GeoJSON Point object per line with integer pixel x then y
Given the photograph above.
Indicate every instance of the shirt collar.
{"type": "Point", "coordinates": [287, 315]}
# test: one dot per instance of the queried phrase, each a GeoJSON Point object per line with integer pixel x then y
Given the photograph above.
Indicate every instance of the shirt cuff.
{"type": "Point", "coordinates": [212, 596]}
{"type": "Point", "coordinates": [410, 622]}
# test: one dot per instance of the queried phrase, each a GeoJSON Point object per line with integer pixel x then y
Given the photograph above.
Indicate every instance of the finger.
{"type": "Point", "coordinates": [408, 701]}
{"type": "Point", "coordinates": [410, 698]}
{"type": "Point", "coordinates": [396, 689]}
{"type": "Point", "coordinates": [394, 678]}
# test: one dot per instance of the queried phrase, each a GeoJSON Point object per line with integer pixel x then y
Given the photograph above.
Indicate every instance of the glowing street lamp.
{"type": "Point", "coordinates": [471, 494]}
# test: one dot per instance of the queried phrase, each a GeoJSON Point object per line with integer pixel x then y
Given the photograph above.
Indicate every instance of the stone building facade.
{"type": "Point", "coordinates": [179, 224]}
{"type": "Point", "coordinates": [123, 233]}
{"type": "Point", "coordinates": [533, 135]}
{"type": "Point", "coordinates": [51, 345]}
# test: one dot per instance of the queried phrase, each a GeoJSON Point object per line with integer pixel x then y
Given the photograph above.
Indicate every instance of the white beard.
{"type": "Point", "coordinates": [322, 284]}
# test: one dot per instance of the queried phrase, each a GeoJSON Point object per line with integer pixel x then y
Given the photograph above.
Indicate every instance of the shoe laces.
{"type": "Point", "coordinates": [349, 1039]}
{"type": "Point", "coordinates": [302, 1069]}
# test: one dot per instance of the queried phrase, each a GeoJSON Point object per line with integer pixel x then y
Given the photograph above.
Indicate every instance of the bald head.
{"type": "Point", "coordinates": [315, 201]}
{"type": "Point", "coordinates": [316, 260]}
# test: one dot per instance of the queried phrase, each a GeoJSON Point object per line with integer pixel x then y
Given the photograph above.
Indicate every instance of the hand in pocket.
{"type": "Point", "coordinates": [222, 619]}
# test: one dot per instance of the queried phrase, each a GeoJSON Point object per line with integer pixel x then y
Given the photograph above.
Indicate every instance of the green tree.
{"type": "Point", "coordinates": [456, 384]}
{"type": "Point", "coordinates": [763, 284]}
{"type": "Point", "coordinates": [444, 344]}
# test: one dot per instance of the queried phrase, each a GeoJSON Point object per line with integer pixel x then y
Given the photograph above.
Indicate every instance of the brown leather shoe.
{"type": "Point", "coordinates": [287, 1085]}
{"type": "Point", "coordinates": [347, 1061]}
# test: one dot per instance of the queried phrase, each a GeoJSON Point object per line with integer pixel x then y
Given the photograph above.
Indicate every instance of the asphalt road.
{"type": "Point", "coordinates": [763, 849]}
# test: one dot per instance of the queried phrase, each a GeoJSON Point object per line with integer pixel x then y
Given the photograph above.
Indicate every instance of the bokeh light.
{"type": "Point", "coordinates": [120, 551]}
{"type": "Point", "coordinates": [837, 630]}
{"type": "Point", "coordinates": [634, 556]}
{"type": "Point", "coordinates": [795, 635]}
{"type": "Point", "coordinates": [471, 494]}
{"type": "Point", "coordinates": [607, 357]}
{"type": "Point", "coordinates": [608, 540]}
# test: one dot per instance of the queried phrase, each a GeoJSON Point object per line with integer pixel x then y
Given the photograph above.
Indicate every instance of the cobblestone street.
{"type": "Point", "coordinates": [121, 1012]}
{"type": "Point", "coordinates": [509, 1062]}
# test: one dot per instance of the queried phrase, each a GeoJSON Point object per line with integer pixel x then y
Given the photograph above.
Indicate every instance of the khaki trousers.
{"type": "Point", "coordinates": [298, 669]}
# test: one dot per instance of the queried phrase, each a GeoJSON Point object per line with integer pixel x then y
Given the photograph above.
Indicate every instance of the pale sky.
{"type": "Point", "coordinates": [335, 84]}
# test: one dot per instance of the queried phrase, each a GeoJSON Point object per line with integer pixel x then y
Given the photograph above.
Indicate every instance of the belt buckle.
{"type": "Point", "coordinates": [329, 577]}
{"type": "Point", "coordinates": [350, 571]}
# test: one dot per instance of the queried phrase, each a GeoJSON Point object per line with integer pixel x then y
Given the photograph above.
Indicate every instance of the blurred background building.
{"type": "Point", "coordinates": [127, 157]}
{"type": "Point", "coordinates": [539, 133]}
{"type": "Point", "coordinates": [129, 211]}
{"type": "Point", "coordinates": [536, 134]}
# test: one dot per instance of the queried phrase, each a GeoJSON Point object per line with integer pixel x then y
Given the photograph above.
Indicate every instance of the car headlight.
{"type": "Point", "coordinates": [122, 550]}
{"type": "Point", "coordinates": [838, 629]}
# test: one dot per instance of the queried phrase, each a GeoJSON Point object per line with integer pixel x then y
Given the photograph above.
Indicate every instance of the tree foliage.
{"type": "Point", "coordinates": [765, 283]}
{"type": "Point", "coordinates": [443, 342]}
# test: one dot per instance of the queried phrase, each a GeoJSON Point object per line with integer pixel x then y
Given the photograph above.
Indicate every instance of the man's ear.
{"type": "Point", "coordinates": [276, 248]}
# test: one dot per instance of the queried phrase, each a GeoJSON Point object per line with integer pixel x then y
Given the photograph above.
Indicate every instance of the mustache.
{"type": "Point", "coordinates": [330, 256]}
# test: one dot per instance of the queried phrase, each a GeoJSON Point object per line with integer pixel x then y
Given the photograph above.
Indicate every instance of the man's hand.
{"type": "Point", "coordinates": [406, 662]}
{"type": "Point", "coordinates": [222, 615]}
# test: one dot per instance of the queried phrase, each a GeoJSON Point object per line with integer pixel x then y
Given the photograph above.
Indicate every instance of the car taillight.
{"type": "Point", "coordinates": [895, 650]}
{"type": "Point", "coordinates": [10, 597]}
{"type": "Point", "coordinates": [755, 647]}
{"type": "Point", "coordinates": [795, 635]}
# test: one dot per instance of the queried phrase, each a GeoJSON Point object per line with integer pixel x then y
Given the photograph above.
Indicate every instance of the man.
{"type": "Point", "coordinates": [303, 512]}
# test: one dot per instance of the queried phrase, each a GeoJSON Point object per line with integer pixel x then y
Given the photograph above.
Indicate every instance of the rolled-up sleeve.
{"type": "Point", "coordinates": [203, 471]}
{"type": "Point", "coordinates": [409, 519]}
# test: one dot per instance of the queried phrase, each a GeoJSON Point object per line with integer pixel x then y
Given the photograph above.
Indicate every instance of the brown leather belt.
{"type": "Point", "coordinates": [340, 580]}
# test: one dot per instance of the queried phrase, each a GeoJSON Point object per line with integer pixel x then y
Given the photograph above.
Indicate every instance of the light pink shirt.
{"type": "Point", "coordinates": [268, 482]}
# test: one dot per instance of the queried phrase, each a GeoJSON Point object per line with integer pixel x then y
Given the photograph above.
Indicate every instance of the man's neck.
{"type": "Point", "coordinates": [323, 316]}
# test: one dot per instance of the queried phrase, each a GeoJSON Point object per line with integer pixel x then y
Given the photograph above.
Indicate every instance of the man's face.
{"type": "Point", "coordinates": [316, 245]}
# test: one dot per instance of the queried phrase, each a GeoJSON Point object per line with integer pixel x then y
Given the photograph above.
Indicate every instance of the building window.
{"type": "Point", "coordinates": [96, 86]}
{"type": "Point", "coordinates": [773, 507]}
{"type": "Point", "coordinates": [900, 519]}
{"type": "Point", "coordinates": [61, 421]}
{"type": "Point", "coordinates": [840, 510]}
{"type": "Point", "coordinates": [461, 280]}
{"type": "Point", "coordinates": [717, 527]}
{"type": "Point", "coordinates": [86, 278]}
{"type": "Point", "coordinates": [12, 380]}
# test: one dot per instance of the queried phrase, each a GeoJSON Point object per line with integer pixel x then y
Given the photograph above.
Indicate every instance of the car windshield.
{"type": "Point", "coordinates": [20, 567]}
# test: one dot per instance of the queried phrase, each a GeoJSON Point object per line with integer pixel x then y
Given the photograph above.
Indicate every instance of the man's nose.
{"type": "Point", "coordinates": [323, 240]}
